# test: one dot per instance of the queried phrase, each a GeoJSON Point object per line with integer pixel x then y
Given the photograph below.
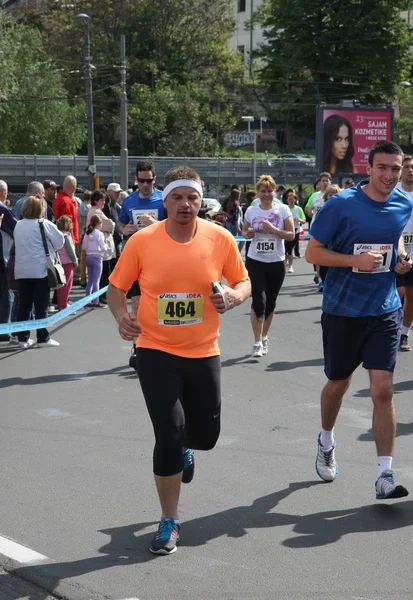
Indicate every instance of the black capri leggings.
{"type": "Point", "coordinates": [291, 244]}
{"type": "Point", "coordinates": [183, 397]}
{"type": "Point", "coordinates": [266, 281]}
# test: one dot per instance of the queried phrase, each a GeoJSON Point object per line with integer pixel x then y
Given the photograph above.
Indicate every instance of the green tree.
{"type": "Point", "coordinates": [327, 50]}
{"type": "Point", "coordinates": [176, 119]}
{"type": "Point", "coordinates": [35, 114]}
{"type": "Point", "coordinates": [176, 49]}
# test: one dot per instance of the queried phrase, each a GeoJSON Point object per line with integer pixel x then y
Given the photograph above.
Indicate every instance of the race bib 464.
{"type": "Point", "coordinates": [180, 309]}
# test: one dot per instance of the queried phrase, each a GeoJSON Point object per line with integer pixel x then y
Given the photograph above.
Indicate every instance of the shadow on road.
{"type": "Point", "coordinates": [319, 529]}
{"type": "Point", "coordinates": [288, 366]}
{"type": "Point", "coordinates": [401, 430]}
{"type": "Point", "coordinates": [401, 386]}
{"type": "Point", "coordinates": [62, 377]}
{"type": "Point", "coordinates": [239, 360]}
{"type": "Point", "coordinates": [300, 310]}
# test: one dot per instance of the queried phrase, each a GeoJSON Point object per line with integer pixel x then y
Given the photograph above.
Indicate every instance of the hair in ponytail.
{"type": "Point", "coordinates": [95, 220]}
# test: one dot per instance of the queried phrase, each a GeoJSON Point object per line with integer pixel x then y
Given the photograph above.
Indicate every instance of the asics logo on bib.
{"type": "Point", "coordinates": [175, 296]}
{"type": "Point", "coordinates": [369, 247]}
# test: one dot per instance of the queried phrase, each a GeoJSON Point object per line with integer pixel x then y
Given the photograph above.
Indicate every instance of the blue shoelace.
{"type": "Point", "coordinates": [188, 454]}
{"type": "Point", "coordinates": [166, 528]}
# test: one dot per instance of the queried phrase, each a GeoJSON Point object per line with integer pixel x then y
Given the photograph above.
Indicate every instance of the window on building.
{"type": "Point", "coordinates": [241, 5]}
{"type": "Point", "coordinates": [241, 50]}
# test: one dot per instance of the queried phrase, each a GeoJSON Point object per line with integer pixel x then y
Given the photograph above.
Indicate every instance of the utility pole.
{"type": "Point", "coordinates": [251, 36]}
{"type": "Point", "coordinates": [89, 102]}
{"type": "Point", "coordinates": [124, 158]}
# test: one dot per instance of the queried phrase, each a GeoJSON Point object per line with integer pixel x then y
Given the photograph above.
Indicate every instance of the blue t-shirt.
{"type": "Point", "coordinates": [135, 203]}
{"type": "Point", "coordinates": [351, 222]}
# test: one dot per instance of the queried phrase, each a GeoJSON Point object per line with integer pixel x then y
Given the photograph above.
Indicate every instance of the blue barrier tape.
{"type": "Point", "coordinates": [239, 238]}
{"type": "Point", "coordinates": [44, 323]}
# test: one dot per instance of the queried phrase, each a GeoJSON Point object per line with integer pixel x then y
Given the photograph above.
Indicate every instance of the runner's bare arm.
{"type": "Point", "coordinates": [247, 230]}
{"type": "Point", "coordinates": [318, 254]}
{"type": "Point", "coordinates": [404, 263]}
{"type": "Point", "coordinates": [127, 322]}
{"type": "Point", "coordinates": [127, 229]}
{"type": "Point", "coordinates": [288, 233]}
{"type": "Point", "coordinates": [401, 248]}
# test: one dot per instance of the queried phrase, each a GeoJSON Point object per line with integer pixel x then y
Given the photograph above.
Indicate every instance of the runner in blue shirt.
{"type": "Point", "coordinates": [141, 209]}
{"type": "Point", "coordinates": [358, 235]}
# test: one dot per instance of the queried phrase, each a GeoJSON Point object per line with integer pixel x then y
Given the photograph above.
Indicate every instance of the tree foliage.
{"type": "Point", "coordinates": [325, 51]}
{"type": "Point", "coordinates": [180, 68]}
{"type": "Point", "coordinates": [35, 114]}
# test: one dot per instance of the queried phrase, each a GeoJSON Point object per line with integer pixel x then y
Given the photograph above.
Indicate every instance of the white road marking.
{"type": "Point", "coordinates": [226, 440]}
{"type": "Point", "coordinates": [20, 553]}
{"type": "Point", "coordinates": [52, 413]}
{"type": "Point", "coordinates": [77, 376]}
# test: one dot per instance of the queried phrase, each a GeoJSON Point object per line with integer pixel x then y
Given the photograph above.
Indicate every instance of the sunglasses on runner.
{"type": "Point", "coordinates": [142, 180]}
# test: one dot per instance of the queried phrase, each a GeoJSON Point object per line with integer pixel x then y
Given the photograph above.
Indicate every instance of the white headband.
{"type": "Point", "coordinates": [182, 183]}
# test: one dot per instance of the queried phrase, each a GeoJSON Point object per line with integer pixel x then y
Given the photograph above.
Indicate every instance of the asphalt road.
{"type": "Point", "coordinates": [77, 487]}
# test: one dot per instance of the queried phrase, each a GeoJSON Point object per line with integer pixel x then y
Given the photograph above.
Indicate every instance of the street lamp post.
{"type": "Point", "coordinates": [249, 120]}
{"type": "Point", "coordinates": [124, 168]}
{"type": "Point", "coordinates": [89, 101]}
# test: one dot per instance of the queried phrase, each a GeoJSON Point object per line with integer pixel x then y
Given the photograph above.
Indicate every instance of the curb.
{"type": "Point", "coordinates": [34, 572]}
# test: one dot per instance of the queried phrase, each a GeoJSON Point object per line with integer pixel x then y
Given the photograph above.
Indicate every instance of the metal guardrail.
{"type": "Point", "coordinates": [216, 172]}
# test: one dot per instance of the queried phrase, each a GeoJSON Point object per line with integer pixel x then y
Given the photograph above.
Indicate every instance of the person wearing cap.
{"type": "Point", "coordinates": [50, 191]}
{"type": "Point", "coordinates": [176, 332]}
{"type": "Point", "coordinates": [113, 191]}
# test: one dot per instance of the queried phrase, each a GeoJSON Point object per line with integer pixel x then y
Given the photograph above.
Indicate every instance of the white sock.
{"type": "Point", "coordinates": [383, 464]}
{"type": "Point", "coordinates": [405, 330]}
{"type": "Point", "coordinates": [327, 438]}
{"type": "Point", "coordinates": [264, 337]}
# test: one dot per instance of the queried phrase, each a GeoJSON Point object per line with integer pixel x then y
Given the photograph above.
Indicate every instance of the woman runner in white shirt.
{"type": "Point", "coordinates": [268, 224]}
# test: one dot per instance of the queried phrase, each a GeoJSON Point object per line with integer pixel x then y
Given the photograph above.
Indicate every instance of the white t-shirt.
{"type": "Point", "coordinates": [267, 247]}
{"type": "Point", "coordinates": [408, 229]}
{"type": "Point", "coordinates": [318, 204]}
{"type": "Point", "coordinates": [296, 213]}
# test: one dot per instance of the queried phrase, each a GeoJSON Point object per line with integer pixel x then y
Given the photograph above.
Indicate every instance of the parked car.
{"type": "Point", "coordinates": [212, 206]}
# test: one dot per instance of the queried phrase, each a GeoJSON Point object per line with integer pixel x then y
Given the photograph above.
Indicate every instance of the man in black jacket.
{"type": "Point", "coordinates": [7, 225]}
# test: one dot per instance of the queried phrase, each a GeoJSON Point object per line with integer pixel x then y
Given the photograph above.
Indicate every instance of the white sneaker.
{"type": "Point", "coordinates": [27, 344]}
{"type": "Point", "coordinates": [13, 340]}
{"type": "Point", "coordinates": [387, 489]}
{"type": "Point", "coordinates": [290, 269]}
{"type": "Point", "coordinates": [265, 345]}
{"type": "Point", "coordinates": [257, 350]}
{"type": "Point", "coordinates": [325, 463]}
{"type": "Point", "coordinates": [49, 344]}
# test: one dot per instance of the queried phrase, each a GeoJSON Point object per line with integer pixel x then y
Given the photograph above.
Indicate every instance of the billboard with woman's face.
{"type": "Point", "coordinates": [346, 135]}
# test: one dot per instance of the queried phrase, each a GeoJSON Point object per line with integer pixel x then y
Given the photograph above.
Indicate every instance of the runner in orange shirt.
{"type": "Point", "coordinates": [176, 261]}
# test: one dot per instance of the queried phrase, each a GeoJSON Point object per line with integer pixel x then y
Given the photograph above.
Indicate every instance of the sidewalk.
{"type": "Point", "coordinates": [13, 588]}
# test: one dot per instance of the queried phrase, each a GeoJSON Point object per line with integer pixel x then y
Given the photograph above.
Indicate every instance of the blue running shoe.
{"type": "Point", "coordinates": [164, 542]}
{"type": "Point", "coordinates": [189, 466]}
{"type": "Point", "coordinates": [325, 462]}
{"type": "Point", "coordinates": [387, 489]}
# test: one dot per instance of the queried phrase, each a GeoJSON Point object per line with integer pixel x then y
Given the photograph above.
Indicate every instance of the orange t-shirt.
{"type": "Point", "coordinates": [175, 311]}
